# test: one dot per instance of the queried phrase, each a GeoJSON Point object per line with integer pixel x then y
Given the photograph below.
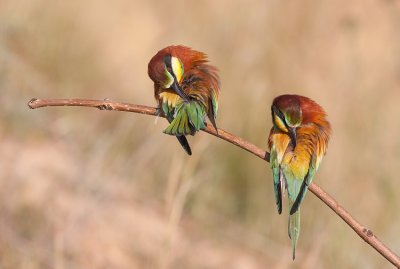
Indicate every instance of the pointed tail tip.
{"type": "Point", "coordinates": [293, 250]}
{"type": "Point", "coordinates": [185, 144]}
{"type": "Point", "coordinates": [188, 150]}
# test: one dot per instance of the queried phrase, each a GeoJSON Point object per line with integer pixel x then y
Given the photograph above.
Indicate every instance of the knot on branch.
{"type": "Point", "coordinates": [105, 107]}
{"type": "Point", "coordinates": [368, 232]}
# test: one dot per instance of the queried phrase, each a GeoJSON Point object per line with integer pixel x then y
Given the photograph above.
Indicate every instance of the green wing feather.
{"type": "Point", "coordinates": [276, 172]}
{"type": "Point", "coordinates": [188, 118]}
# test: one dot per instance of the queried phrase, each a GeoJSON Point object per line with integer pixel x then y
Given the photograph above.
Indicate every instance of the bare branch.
{"type": "Point", "coordinates": [366, 234]}
{"type": "Point", "coordinates": [109, 105]}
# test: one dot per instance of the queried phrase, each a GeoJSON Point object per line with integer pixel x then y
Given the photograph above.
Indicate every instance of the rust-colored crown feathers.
{"type": "Point", "coordinates": [311, 111]}
{"type": "Point", "coordinates": [189, 58]}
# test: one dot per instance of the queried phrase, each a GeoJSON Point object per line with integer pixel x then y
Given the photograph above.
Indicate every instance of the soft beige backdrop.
{"type": "Point", "coordinates": [81, 188]}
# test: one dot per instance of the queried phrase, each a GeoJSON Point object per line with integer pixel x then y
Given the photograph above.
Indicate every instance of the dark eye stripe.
{"type": "Point", "coordinates": [167, 62]}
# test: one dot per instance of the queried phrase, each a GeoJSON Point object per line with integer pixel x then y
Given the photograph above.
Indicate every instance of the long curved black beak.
{"type": "Point", "coordinates": [175, 86]}
{"type": "Point", "coordinates": [292, 135]}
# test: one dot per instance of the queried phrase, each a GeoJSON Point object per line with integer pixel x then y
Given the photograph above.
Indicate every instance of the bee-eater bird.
{"type": "Point", "coordinates": [297, 142]}
{"type": "Point", "coordinates": [186, 88]}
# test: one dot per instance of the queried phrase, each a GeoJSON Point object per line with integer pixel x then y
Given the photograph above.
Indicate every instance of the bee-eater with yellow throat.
{"type": "Point", "coordinates": [298, 140]}
{"type": "Point", "coordinates": [186, 88]}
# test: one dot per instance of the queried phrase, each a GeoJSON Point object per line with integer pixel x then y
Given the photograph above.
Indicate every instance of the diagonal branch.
{"type": "Point", "coordinates": [366, 234]}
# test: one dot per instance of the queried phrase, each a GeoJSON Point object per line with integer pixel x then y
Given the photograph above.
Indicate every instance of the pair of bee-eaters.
{"type": "Point", "coordinates": [186, 88]}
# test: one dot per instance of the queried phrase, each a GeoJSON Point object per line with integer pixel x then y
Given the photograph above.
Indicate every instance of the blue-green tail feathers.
{"type": "Point", "coordinates": [294, 230]}
{"type": "Point", "coordinates": [294, 188]}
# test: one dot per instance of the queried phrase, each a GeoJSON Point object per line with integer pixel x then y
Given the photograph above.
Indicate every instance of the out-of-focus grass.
{"type": "Point", "coordinates": [82, 188]}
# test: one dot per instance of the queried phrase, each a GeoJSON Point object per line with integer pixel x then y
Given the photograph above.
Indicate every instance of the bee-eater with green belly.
{"type": "Point", "coordinates": [298, 140]}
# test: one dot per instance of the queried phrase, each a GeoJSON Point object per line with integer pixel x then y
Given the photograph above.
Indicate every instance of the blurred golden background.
{"type": "Point", "coordinates": [82, 188]}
